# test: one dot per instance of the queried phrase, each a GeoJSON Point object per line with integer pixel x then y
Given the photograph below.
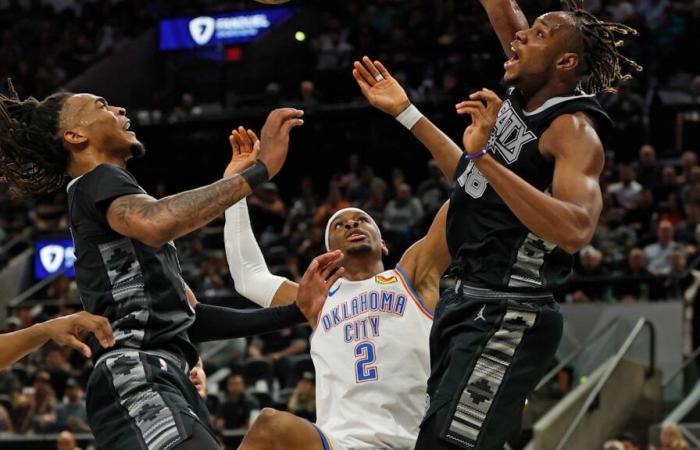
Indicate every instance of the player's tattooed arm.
{"type": "Point", "coordinates": [156, 222]}
{"type": "Point", "coordinates": [386, 94]}
{"type": "Point", "coordinates": [426, 260]}
{"type": "Point", "coordinates": [507, 19]}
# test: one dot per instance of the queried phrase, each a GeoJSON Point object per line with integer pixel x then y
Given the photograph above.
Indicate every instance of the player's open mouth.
{"type": "Point", "coordinates": [356, 236]}
{"type": "Point", "coordinates": [512, 61]}
{"type": "Point", "coordinates": [127, 125]}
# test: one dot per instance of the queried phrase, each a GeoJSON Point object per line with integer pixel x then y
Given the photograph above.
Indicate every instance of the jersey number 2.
{"type": "Point", "coordinates": [365, 356]}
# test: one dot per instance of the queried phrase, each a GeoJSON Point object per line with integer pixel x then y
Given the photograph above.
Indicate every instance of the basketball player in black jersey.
{"type": "Point", "coordinates": [139, 394]}
{"type": "Point", "coordinates": [525, 198]}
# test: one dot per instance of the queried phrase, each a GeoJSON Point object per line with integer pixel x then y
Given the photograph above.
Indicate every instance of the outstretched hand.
{"type": "Point", "coordinates": [379, 87]}
{"type": "Point", "coordinates": [69, 330]}
{"type": "Point", "coordinates": [245, 147]}
{"type": "Point", "coordinates": [274, 137]}
{"type": "Point", "coordinates": [476, 136]}
{"type": "Point", "coordinates": [316, 282]}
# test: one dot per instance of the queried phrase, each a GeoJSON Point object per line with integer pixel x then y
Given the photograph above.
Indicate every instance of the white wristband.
{"type": "Point", "coordinates": [410, 116]}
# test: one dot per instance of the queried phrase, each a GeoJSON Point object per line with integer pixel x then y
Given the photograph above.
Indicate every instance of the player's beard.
{"type": "Point", "coordinates": [137, 150]}
{"type": "Point", "coordinates": [359, 250]}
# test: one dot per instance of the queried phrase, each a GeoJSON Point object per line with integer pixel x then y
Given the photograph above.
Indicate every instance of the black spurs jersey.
{"type": "Point", "coordinates": [490, 245]}
{"type": "Point", "coordinates": [136, 287]}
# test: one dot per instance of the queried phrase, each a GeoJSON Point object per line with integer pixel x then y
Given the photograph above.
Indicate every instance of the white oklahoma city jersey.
{"type": "Point", "coordinates": [372, 359]}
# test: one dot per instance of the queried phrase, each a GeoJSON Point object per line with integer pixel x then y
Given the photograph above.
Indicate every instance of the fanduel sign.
{"type": "Point", "coordinates": [52, 255]}
{"type": "Point", "coordinates": [222, 29]}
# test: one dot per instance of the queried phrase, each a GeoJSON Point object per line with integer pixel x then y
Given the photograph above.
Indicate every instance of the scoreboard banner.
{"type": "Point", "coordinates": [185, 33]}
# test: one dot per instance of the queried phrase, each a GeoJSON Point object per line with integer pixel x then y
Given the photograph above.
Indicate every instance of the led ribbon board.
{"type": "Point", "coordinates": [222, 29]}
{"type": "Point", "coordinates": [52, 255]}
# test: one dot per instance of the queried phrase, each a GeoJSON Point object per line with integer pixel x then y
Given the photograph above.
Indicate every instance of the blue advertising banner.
{"type": "Point", "coordinates": [52, 255]}
{"type": "Point", "coordinates": [221, 29]}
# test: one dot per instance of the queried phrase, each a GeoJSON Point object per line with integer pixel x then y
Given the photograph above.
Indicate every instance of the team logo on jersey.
{"type": "Point", "coordinates": [332, 292]}
{"type": "Point", "coordinates": [386, 280]}
{"type": "Point", "coordinates": [510, 133]}
{"type": "Point", "coordinates": [480, 314]}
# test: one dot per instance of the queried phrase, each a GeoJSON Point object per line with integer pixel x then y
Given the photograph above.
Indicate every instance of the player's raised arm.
{"type": "Point", "coordinates": [507, 19]}
{"type": "Point", "coordinates": [569, 216]}
{"type": "Point", "coordinates": [246, 262]}
{"type": "Point", "coordinates": [156, 222]}
{"type": "Point", "coordinates": [386, 94]}
{"type": "Point", "coordinates": [426, 260]}
{"type": "Point", "coordinates": [66, 330]}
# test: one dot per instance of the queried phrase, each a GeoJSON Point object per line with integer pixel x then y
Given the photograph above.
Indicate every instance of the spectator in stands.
{"type": "Point", "coordinates": [236, 409]}
{"type": "Point", "coordinates": [66, 441]}
{"type": "Point", "coordinates": [278, 346]}
{"type": "Point", "coordinates": [361, 189]}
{"type": "Point", "coordinates": [403, 213]}
{"type": "Point", "coordinates": [585, 284]}
{"type": "Point", "coordinates": [629, 441]}
{"type": "Point", "coordinates": [334, 202]}
{"type": "Point", "coordinates": [40, 413]}
{"type": "Point", "coordinates": [626, 191]}
{"type": "Point", "coordinates": [658, 254]}
{"type": "Point", "coordinates": [689, 160]}
{"type": "Point", "coordinates": [672, 438]}
{"type": "Point", "coordinates": [312, 246]}
{"type": "Point", "coordinates": [648, 170]}
{"type": "Point", "coordinates": [678, 278]}
{"type": "Point", "coordinates": [685, 231]}
{"type": "Point", "coordinates": [668, 185]}
{"type": "Point", "coordinates": [613, 237]}
{"type": "Point", "coordinates": [434, 191]}
{"type": "Point", "coordinates": [71, 414]}
{"type": "Point", "coordinates": [6, 425]}
{"type": "Point", "coordinates": [58, 368]}
{"type": "Point", "coordinates": [635, 282]}
{"type": "Point", "coordinates": [267, 212]}
{"type": "Point", "coordinates": [375, 204]}
{"type": "Point", "coordinates": [302, 403]}
{"type": "Point", "coordinates": [641, 218]}
{"type": "Point", "coordinates": [694, 251]}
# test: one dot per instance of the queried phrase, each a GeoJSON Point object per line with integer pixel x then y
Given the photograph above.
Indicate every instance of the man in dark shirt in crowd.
{"type": "Point", "coordinates": [235, 411]}
{"type": "Point", "coordinates": [635, 282]}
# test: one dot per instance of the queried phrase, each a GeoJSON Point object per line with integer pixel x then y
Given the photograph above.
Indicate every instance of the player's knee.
{"type": "Point", "coordinates": [263, 431]}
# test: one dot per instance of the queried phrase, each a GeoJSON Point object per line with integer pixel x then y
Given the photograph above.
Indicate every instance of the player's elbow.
{"type": "Point", "coordinates": [575, 240]}
{"type": "Point", "coordinates": [153, 236]}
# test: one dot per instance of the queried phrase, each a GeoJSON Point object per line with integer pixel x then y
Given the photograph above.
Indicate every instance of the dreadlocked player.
{"type": "Point", "coordinates": [525, 198]}
{"type": "Point", "coordinates": [139, 394]}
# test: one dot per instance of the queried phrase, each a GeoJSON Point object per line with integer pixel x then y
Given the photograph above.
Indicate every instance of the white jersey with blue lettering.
{"type": "Point", "coordinates": [372, 359]}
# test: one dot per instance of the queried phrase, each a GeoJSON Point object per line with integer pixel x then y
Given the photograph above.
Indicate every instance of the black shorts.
{"type": "Point", "coordinates": [142, 401]}
{"type": "Point", "coordinates": [488, 351]}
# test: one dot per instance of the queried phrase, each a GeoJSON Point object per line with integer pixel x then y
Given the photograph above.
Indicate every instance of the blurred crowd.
{"type": "Point", "coordinates": [646, 248]}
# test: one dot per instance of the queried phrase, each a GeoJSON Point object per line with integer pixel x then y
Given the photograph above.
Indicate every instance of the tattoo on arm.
{"type": "Point", "coordinates": [174, 216]}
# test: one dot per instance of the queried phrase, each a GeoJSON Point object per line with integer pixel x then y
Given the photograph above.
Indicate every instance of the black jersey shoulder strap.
{"type": "Point", "coordinates": [542, 117]}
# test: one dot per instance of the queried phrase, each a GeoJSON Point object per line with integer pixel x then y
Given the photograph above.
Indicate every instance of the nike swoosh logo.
{"type": "Point", "coordinates": [331, 293]}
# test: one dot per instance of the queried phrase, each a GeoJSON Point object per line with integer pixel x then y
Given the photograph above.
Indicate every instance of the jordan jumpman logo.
{"type": "Point", "coordinates": [480, 315]}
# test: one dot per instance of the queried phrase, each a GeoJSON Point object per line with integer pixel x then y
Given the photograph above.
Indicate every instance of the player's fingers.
{"type": "Point", "coordinates": [385, 73]}
{"type": "Point", "coordinates": [369, 79]}
{"type": "Point", "coordinates": [236, 145]}
{"type": "Point", "coordinates": [331, 266]}
{"type": "Point", "coordinates": [289, 124]}
{"type": "Point", "coordinates": [488, 96]}
{"type": "Point", "coordinates": [310, 271]}
{"type": "Point", "coordinates": [247, 143]}
{"type": "Point", "coordinates": [75, 343]}
{"type": "Point", "coordinates": [100, 327]}
{"type": "Point", "coordinates": [326, 258]}
{"type": "Point", "coordinates": [331, 281]}
{"type": "Point", "coordinates": [253, 137]}
{"type": "Point", "coordinates": [372, 68]}
{"type": "Point", "coordinates": [364, 87]}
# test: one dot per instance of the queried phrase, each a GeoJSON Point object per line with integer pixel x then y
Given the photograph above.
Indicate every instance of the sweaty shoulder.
{"type": "Point", "coordinates": [574, 132]}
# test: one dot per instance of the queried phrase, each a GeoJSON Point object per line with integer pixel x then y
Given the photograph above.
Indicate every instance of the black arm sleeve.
{"type": "Point", "coordinates": [214, 323]}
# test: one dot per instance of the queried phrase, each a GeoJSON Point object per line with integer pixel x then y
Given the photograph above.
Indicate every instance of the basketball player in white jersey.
{"type": "Point", "coordinates": [370, 341]}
